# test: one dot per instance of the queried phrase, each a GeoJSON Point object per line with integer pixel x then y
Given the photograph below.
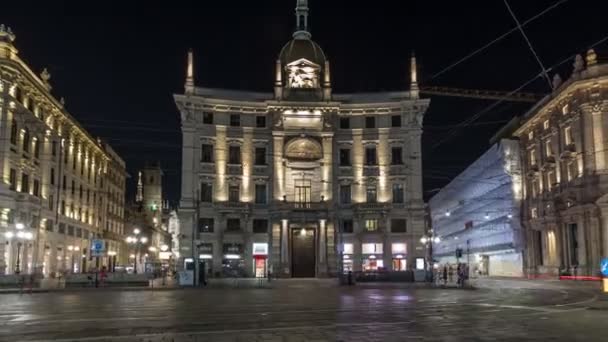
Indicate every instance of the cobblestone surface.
{"type": "Point", "coordinates": [505, 311]}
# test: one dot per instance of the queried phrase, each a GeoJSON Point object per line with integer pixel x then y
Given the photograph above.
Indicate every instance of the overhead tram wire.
{"type": "Point", "coordinates": [523, 33]}
{"type": "Point", "coordinates": [499, 38]}
{"type": "Point", "coordinates": [476, 116]}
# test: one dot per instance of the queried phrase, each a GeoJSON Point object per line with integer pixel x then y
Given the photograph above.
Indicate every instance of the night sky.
{"type": "Point", "coordinates": [118, 65]}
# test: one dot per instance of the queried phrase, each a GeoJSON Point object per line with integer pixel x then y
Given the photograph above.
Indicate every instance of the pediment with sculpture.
{"type": "Point", "coordinates": [303, 148]}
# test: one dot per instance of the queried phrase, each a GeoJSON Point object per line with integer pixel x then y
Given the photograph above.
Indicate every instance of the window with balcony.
{"type": "Point", "coordinates": [260, 226]}
{"type": "Point", "coordinates": [568, 136]}
{"type": "Point", "coordinates": [396, 121]}
{"type": "Point", "coordinates": [36, 190]}
{"type": "Point", "coordinates": [61, 228]}
{"type": "Point", "coordinates": [548, 148]}
{"type": "Point", "coordinates": [371, 225]}
{"type": "Point", "coordinates": [208, 118]}
{"type": "Point", "coordinates": [234, 193]}
{"type": "Point", "coordinates": [345, 157]}
{"type": "Point", "coordinates": [26, 140]}
{"type": "Point", "coordinates": [234, 155]}
{"type": "Point", "coordinates": [48, 225]}
{"type": "Point", "coordinates": [370, 122]}
{"type": "Point", "coordinates": [233, 224]}
{"type": "Point", "coordinates": [260, 156]}
{"type": "Point", "coordinates": [371, 194]}
{"type": "Point", "coordinates": [53, 148]}
{"type": "Point", "coordinates": [260, 121]}
{"type": "Point", "coordinates": [261, 195]}
{"type": "Point", "coordinates": [532, 156]}
{"type": "Point", "coordinates": [347, 226]}
{"type": "Point", "coordinates": [51, 202]}
{"type": "Point", "coordinates": [14, 132]}
{"type": "Point", "coordinates": [25, 183]}
{"type": "Point", "coordinates": [207, 153]}
{"type": "Point", "coordinates": [344, 123]}
{"type": "Point", "coordinates": [205, 225]}
{"type": "Point", "coordinates": [235, 120]}
{"type": "Point", "coordinates": [345, 194]}
{"type": "Point", "coordinates": [399, 226]}
{"type": "Point", "coordinates": [370, 156]}
{"type": "Point", "coordinates": [398, 193]}
{"type": "Point", "coordinates": [206, 193]}
{"type": "Point", "coordinates": [397, 156]}
{"type": "Point", "coordinates": [12, 179]}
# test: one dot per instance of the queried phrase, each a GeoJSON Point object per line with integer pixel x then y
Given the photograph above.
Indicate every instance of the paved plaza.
{"type": "Point", "coordinates": [310, 311]}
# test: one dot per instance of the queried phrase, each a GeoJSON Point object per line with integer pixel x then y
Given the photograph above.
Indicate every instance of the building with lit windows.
{"type": "Point", "coordinates": [565, 164]}
{"type": "Point", "coordinates": [301, 182]}
{"type": "Point", "coordinates": [59, 186]}
{"type": "Point", "coordinates": [478, 213]}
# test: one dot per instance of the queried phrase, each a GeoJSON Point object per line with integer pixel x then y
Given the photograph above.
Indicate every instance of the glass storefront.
{"type": "Point", "coordinates": [347, 263]}
{"type": "Point", "coordinates": [233, 265]}
{"type": "Point", "coordinates": [373, 263]}
{"type": "Point", "coordinates": [399, 263]}
{"type": "Point", "coordinates": [260, 259]}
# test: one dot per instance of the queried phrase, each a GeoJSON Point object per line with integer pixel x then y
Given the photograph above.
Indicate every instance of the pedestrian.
{"type": "Point", "coordinates": [445, 274]}
{"type": "Point", "coordinates": [450, 273]}
{"type": "Point", "coordinates": [459, 274]}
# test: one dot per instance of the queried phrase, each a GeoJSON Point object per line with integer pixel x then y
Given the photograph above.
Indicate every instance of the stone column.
{"type": "Point", "coordinates": [247, 155]}
{"type": "Point", "coordinates": [221, 159]}
{"type": "Point", "coordinates": [189, 178]}
{"type": "Point", "coordinates": [595, 242]}
{"type": "Point", "coordinates": [326, 169]}
{"type": "Point", "coordinates": [358, 154]}
{"type": "Point", "coordinates": [285, 247]}
{"type": "Point", "coordinates": [384, 162]}
{"type": "Point", "coordinates": [279, 170]}
{"type": "Point", "coordinates": [322, 264]}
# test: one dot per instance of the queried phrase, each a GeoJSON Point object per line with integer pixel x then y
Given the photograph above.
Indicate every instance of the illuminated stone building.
{"type": "Point", "coordinates": [289, 181]}
{"type": "Point", "coordinates": [565, 164]}
{"type": "Point", "coordinates": [59, 186]}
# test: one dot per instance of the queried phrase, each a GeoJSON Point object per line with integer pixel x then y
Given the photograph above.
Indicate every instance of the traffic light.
{"type": "Point", "coordinates": [458, 252]}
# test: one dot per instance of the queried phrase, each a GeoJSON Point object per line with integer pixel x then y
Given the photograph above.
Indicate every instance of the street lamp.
{"type": "Point", "coordinates": [19, 235]}
{"type": "Point", "coordinates": [137, 242]}
{"type": "Point", "coordinates": [427, 241]}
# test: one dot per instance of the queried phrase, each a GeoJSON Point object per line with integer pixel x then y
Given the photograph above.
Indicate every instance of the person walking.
{"type": "Point", "coordinates": [450, 273]}
{"type": "Point", "coordinates": [445, 275]}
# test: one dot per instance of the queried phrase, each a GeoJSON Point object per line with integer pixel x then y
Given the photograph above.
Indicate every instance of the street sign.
{"type": "Point", "coordinates": [604, 267]}
{"type": "Point", "coordinates": [98, 247]}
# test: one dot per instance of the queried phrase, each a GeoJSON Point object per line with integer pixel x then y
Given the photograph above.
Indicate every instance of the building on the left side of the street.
{"type": "Point", "coordinates": [59, 186]}
{"type": "Point", "coordinates": [476, 216]}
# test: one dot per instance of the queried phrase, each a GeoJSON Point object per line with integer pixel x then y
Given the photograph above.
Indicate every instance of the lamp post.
{"type": "Point", "coordinates": [427, 241]}
{"type": "Point", "coordinates": [137, 241]}
{"type": "Point", "coordinates": [20, 236]}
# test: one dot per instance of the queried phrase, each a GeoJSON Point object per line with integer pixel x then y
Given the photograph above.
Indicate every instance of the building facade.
{"type": "Point", "coordinates": [54, 189]}
{"type": "Point", "coordinates": [565, 154]}
{"type": "Point", "coordinates": [289, 181]}
{"type": "Point", "coordinates": [478, 213]}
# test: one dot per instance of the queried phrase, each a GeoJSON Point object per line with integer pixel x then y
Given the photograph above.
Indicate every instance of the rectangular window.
{"type": "Point", "coordinates": [260, 194]}
{"type": "Point", "coordinates": [235, 120]}
{"type": "Point", "coordinates": [233, 225]}
{"type": "Point", "coordinates": [396, 121]}
{"type": "Point", "coordinates": [348, 248]}
{"type": "Point", "coordinates": [260, 156]}
{"type": "Point", "coordinates": [550, 180]}
{"type": "Point", "coordinates": [206, 193]}
{"type": "Point", "coordinates": [79, 232]}
{"type": "Point", "coordinates": [573, 231]}
{"type": "Point", "coordinates": [14, 132]}
{"type": "Point", "coordinates": [36, 188]}
{"type": "Point", "coordinates": [371, 248]}
{"type": "Point", "coordinates": [62, 228]}
{"type": "Point", "coordinates": [51, 202]}
{"type": "Point", "coordinates": [397, 156]}
{"type": "Point", "coordinates": [548, 148]}
{"type": "Point", "coordinates": [398, 226]}
{"type": "Point", "coordinates": [534, 213]}
{"type": "Point", "coordinates": [345, 157]}
{"type": "Point", "coordinates": [234, 155]}
{"type": "Point", "coordinates": [73, 189]}
{"type": "Point", "coordinates": [208, 118]}
{"type": "Point", "coordinates": [347, 226]}
{"type": "Point", "coordinates": [370, 155]}
{"type": "Point", "coordinates": [345, 194]}
{"type": "Point", "coordinates": [344, 123]}
{"type": "Point", "coordinates": [64, 185]}
{"type": "Point", "coordinates": [25, 183]}
{"type": "Point", "coordinates": [13, 179]}
{"type": "Point", "coordinates": [260, 226]}
{"type": "Point", "coordinates": [37, 149]}
{"type": "Point", "coordinates": [205, 225]}
{"type": "Point", "coordinates": [52, 176]}
{"type": "Point", "coordinates": [48, 225]}
{"type": "Point", "coordinates": [567, 135]}
{"type": "Point", "coordinates": [54, 148]}
{"type": "Point", "coordinates": [371, 225]}
{"type": "Point", "coordinates": [234, 193]}
{"type": "Point", "coordinates": [71, 230]}
{"type": "Point", "coordinates": [399, 248]}
{"type": "Point", "coordinates": [207, 153]}
{"type": "Point", "coordinates": [398, 193]}
{"type": "Point", "coordinates": [370, 122]}
{"type": "Point", "coordinates": [534, 188]}
{"type": "Point", "coordinates": [371, 194]}
{"type": "Point", "coordinates": [260, 121]}
{"type": "Point", "coordinates": [80, 191]}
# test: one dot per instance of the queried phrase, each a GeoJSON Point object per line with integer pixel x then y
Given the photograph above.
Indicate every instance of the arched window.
{"type": "Point", "coordinates": [26, 140]}
{"type": "Point", "coordinates": [14, 132]}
